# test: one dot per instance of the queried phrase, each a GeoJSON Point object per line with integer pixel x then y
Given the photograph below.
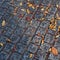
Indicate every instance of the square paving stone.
{"type": "Point", "coordinates": [26, 39]}
{"type": "Point", "coordinates": [30, 31]}
{"type": "Point", "coordinates": [3, 56]}
{"type": "Point", "coordinates": [41, 31]}
{"type": "Point", "coordinates": [26, 56]}
{"type": "Point", "coordinates": [45, 47]}
{"type": "Point", "coordinates": [2, 11]}
{"type": "Point", "coordinates": [44, 24]}
{"type": "Point", "coordinates": [57, 45]}
{"type": "Point", "coordinates": [11, 9]}
{"type": "Point", "coordinates": [49, 16]}
{"type": "Point", "coordinates": [22, 23]}
{"type": "Point", "coordinates": [3, 39]}
{"type": "Point", "coordinates": [19, 31]}
{"type": "Point", "coordinates": [52, 57]}
{"type": "Point", "coordinates": [32, 48]}
{"type": "Point", "coordinates": [35, 23]}
{"type": "Point", "coordinates": [8, 47]}
{"type": "Point", "coordinates": [8, 32]}
{"type": "Point", "coordinates": [7, 16]}
{"type": "Point", "coordinates": [14, 38]}
{"type": "Point", "coordinates": [20, 48]}
{"type": "Point", "coordinates": [48, 38]}
{"type": "Point", "coordinates": [40, 55]}
{"type": "Point", "coordinates": [38, 14]}
{"type": "Point", "coordinates": [53, 10]}
{"type": "Point", "coordinates": [5, 4]}
{"type": "Point", "coordinates": [12, 23]}
{"type": "Point", "coordinates": [15, 56]}
{"type": "Point", "coordinates": [51, 31]}
{"type": "Point", "coordinates": [36, 40]}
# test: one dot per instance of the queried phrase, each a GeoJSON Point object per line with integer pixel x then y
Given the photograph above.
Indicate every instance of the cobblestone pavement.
{"type": "Point", "coordinates": [29, 29]}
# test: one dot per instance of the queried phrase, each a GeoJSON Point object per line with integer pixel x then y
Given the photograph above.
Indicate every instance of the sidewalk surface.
{"type": "Point", "coordinates": [29, 29]}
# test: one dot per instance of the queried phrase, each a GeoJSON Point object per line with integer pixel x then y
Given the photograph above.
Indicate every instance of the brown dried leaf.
{"type": "Point", "coordinates": [30, 5]}
{"type": "Point", "coordinates": [54, 51]}
{"type": "Point", "coordinates": [58, 28]}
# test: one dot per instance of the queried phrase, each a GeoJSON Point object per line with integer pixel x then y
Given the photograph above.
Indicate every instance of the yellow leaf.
{"type": "Point", "coordinates": [31, 55]}
{"type": "Point", "coordinates": [1, 44]}
{"type": "Point", "coordinates": [50, 49]}
{"type": "Point", "coordinates": [21, 4]}
{"type": "Point", "coordinates": [42, 9]}
{"type": "Point", "coordinates": [33, 7]}
{"type": "Point", "coordinates": [54, 51]}
{"type": "Point", "coordinates": [57, 5]}
{"type": "Point", "coordinates": [3, 23]}
{"type": "Point", "coordinates": [30, 5]}
{"type": "Point", "coordinates": [28, 11]}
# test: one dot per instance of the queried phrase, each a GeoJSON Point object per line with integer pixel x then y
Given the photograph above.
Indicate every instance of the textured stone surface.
{"type": "Point", "coordinates": [28, 28]}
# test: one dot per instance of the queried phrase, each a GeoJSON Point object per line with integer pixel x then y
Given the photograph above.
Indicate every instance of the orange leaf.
{"type": "Point", "coordinates": [54, 51]}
